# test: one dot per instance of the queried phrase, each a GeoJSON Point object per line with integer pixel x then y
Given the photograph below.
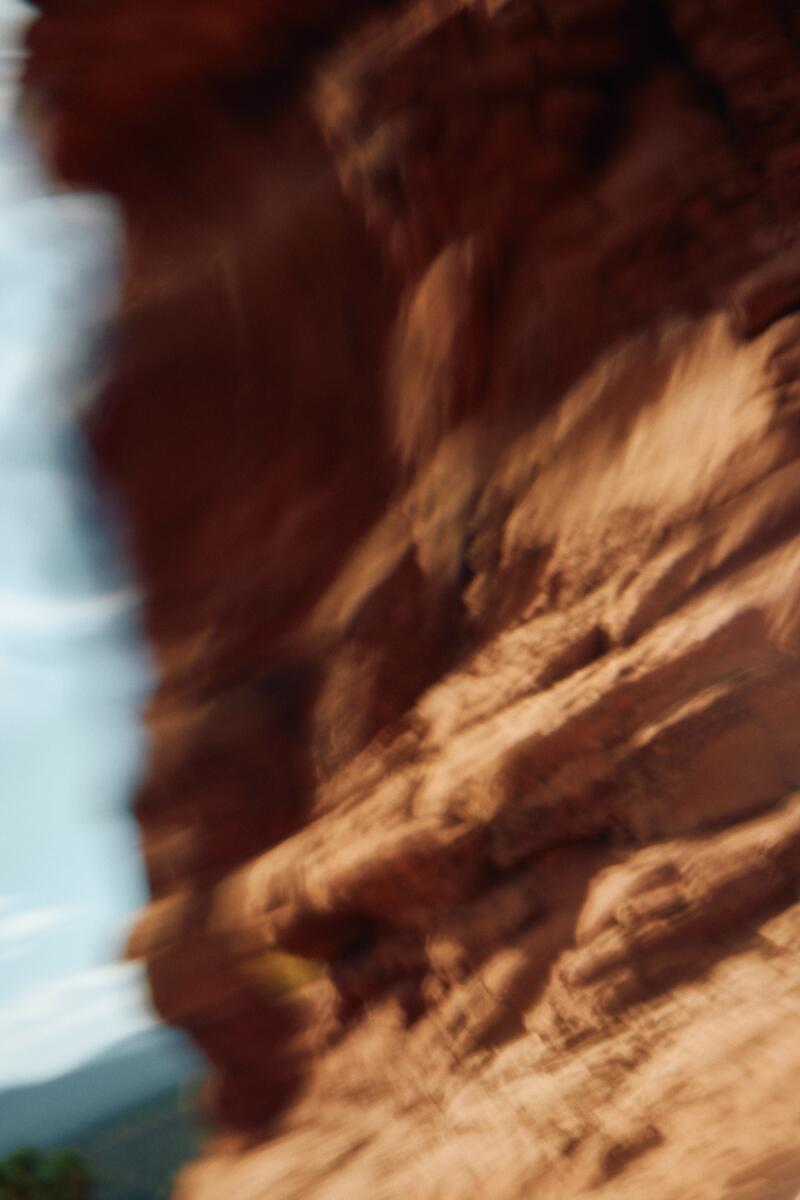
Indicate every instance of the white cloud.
{"type": "Point", "coordinates": [22, 926]}
{"type": "Point", "coordinates": [53, 1027]}
{"type": "Point", "coordinates": [21, 614]}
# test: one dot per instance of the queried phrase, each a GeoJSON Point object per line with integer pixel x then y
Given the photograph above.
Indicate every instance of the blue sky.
{"type": "Point", "coordinates": [73, 673]}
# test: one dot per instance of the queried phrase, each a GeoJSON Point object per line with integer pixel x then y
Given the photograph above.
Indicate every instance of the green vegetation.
{"type": "Point", "coordinates": [29, 1174]}
{"type": "Point", "coordinates": [132, 1156]}
{"type": "Point", "coordinates": [281, 974]}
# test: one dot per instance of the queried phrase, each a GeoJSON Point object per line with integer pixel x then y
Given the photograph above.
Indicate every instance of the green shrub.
{"type": "Point", "coordinates": [29, 1174]}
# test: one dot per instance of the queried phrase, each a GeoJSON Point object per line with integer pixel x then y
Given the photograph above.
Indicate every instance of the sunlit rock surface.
{"type": "Point", "coordinates": [454, 414]}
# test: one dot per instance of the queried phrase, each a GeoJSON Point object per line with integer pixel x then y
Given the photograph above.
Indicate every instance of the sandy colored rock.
{"type": "Point", "coordinates": [453, 421]}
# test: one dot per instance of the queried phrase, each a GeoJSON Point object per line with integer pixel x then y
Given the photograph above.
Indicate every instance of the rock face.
{"type": "Point", "coordinates": [453, 414]}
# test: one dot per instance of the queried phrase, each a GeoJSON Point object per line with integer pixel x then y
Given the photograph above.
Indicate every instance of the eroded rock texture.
{"type": "Point", "coordinates": [453, 414]}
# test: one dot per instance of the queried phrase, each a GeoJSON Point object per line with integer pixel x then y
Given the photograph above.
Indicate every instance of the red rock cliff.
{"type": "Point", "coordinates": [453, 414]}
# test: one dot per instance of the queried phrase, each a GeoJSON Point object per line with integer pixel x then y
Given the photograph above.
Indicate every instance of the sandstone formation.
{"type": "Point", "coordinates": [453, 412]}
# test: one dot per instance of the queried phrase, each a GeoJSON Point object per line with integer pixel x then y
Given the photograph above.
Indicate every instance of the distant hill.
{"type": "Point", "coordinates": [135, 1155]}
{"type": "Point", "coordinates": [151, 1066]}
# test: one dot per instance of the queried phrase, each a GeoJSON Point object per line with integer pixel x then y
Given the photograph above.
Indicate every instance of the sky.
{"type": "Point", "coordinates": [73, 670]}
